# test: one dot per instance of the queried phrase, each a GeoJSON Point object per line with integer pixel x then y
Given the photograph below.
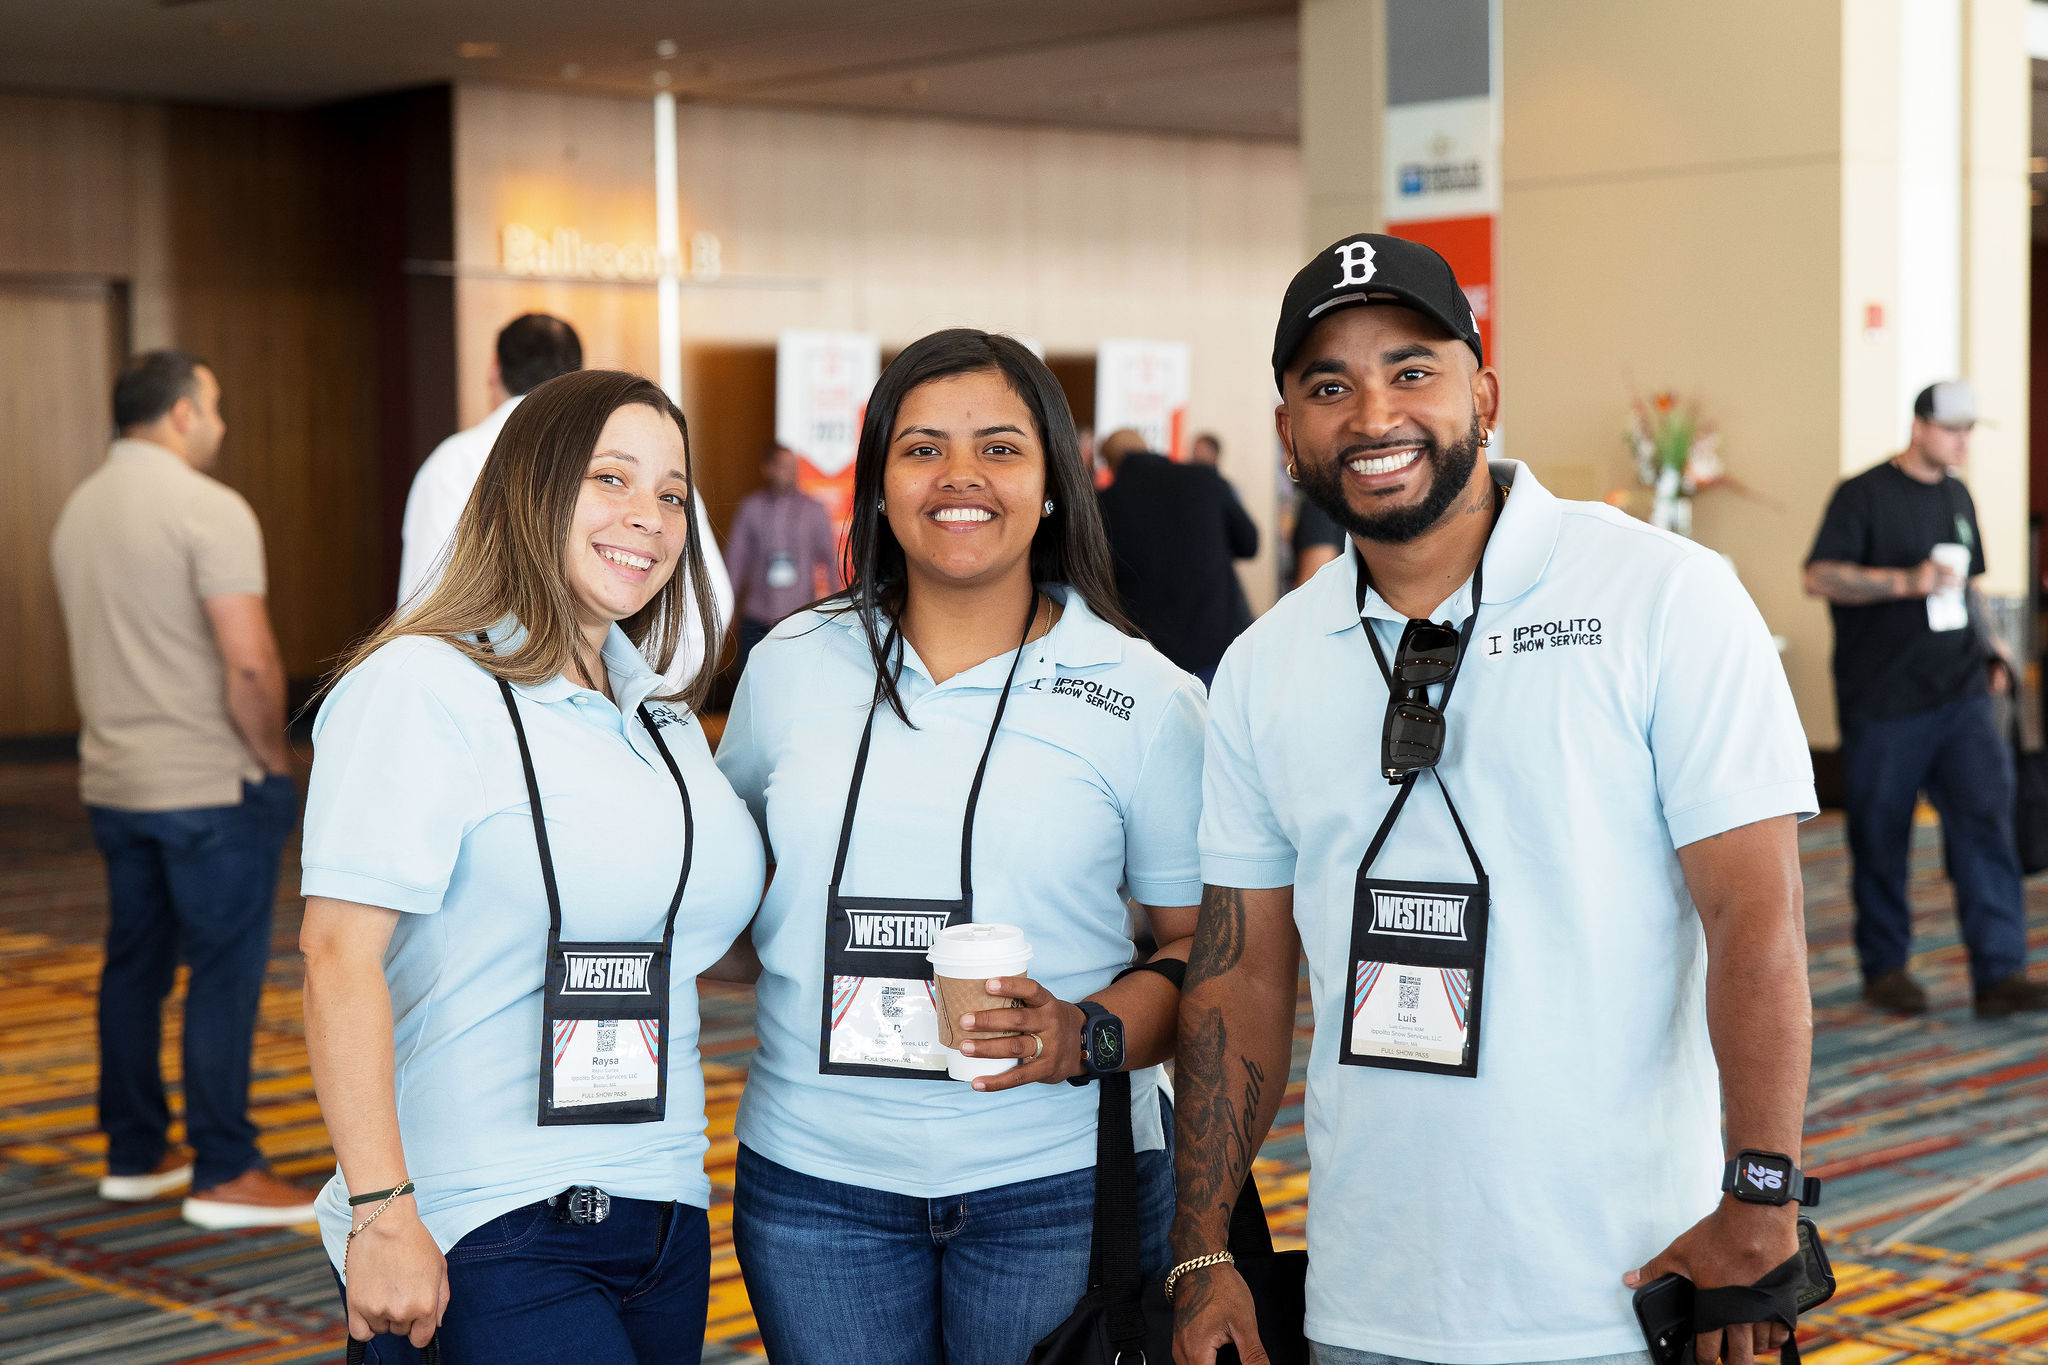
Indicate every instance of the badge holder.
{"type": "Point", "coordinates": [880, 1010]}
{"type": "Point", "coordinates": [1417, 964]}
{"type": "Point", "coordinates": [604, 1012]}
{"type": "Point", "coordinates": [1416, 970]}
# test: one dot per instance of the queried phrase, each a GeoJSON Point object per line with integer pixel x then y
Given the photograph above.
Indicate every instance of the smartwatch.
{"type": "Point", "coordinates": [1768, 1178]}
{"type": "Point", "coordinates": [1102, 1043]}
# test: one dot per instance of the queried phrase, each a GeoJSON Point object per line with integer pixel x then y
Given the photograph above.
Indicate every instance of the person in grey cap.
{"type": "Point", "coordinates": [1520, 777]}
{"type": "Point", "coordinates": [1915, 663]}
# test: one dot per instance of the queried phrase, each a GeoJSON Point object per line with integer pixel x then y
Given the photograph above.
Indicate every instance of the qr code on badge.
{"type": "Point", "coordinates": [1411, 992]}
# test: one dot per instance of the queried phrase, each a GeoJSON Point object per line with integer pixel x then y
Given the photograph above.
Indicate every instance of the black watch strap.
{"type": "Point", "coordinates": [1800, 1188]}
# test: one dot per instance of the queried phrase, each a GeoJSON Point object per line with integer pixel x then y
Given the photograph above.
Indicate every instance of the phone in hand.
{"type": "Point", "coordinates": [1664, 1305]}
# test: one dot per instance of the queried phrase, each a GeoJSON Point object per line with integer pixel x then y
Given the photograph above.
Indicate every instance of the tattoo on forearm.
{"type": "Point", "coordinates": [1219, 935]}
{"type": "Point", "coordinates": [1853, 584]}
{"type": "Point", "coordinates": [1219, 1132]}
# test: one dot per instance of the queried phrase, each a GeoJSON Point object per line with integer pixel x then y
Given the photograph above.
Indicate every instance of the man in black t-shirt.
{"type": "Point", "coordinates": [1915, 662]}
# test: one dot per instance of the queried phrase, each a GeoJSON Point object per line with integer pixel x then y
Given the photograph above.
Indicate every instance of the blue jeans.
{"type": "Point", "coordinates": [1955, 754]}
{"type": "Point", "coordinates": [1344, 1355]}
{"type": "Point", "coordinates": [524, 1289]}
{"type": "Point", "coordinates": [838, 1273]}
{"type": "Point", "coordinates": [198, 884]}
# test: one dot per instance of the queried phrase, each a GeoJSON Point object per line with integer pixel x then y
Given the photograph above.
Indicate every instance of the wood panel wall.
{"type": "Point", "coordinates": [251, 238]}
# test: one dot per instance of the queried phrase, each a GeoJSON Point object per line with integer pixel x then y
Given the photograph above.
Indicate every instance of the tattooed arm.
{"type": "Point", "coordinates": [1853, 585]}
{"type": "Point", "coordinates": [1236, 1039]}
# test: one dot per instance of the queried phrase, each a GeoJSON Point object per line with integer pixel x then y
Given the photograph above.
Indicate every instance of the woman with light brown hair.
{"type": "Point", "coordinates": [518, 859]}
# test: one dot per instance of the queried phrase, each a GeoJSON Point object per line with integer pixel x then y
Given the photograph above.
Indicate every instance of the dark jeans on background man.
{"type": "Point", "coordinates": [1955, 754]}
{"type": "Point", "coordinates": [198, 885]}
{"type": "Point", "coordinates": [524, 1289]}
{"type": "Point", "coordinates": [840, 1273]}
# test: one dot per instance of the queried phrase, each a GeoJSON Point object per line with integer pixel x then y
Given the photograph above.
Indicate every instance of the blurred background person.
{"type": "Point", "coordinates": [184, 772]}
{"type": "Point", "coordinates": [780, 548]}
{"type": "Point", "coordinates": [531, 349]}
{"type": "Point", "coordinates": [1174, 531]}
{"type": "Point", "coordinates": [1316, 541]}
{"type": "Point", "coordinates": [1915, 663]}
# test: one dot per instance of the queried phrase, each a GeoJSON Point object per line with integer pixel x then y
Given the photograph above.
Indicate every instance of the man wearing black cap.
{"type": "Point", "coordinates": [1916, 660]}
{"type": "Point", "coordinates": [1521, 778]}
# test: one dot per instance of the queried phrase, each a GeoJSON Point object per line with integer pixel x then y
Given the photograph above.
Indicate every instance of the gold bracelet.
{"type": "Point", "coordinates": [1199, 1263]}
{"type": "Point", "coordinates": [404, 1188]}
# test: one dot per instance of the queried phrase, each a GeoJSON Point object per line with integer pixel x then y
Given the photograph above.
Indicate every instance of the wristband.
{"type": "Point", "coordinates": [358, 1200]}
{"type": "Point", "coordinates": [1172, 968]}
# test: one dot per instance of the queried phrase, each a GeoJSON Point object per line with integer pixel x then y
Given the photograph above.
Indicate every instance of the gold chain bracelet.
{"type": "Point", "coordinates": [404, 1188]}
{"type": "Point", "coordinates": [1199, 1263]}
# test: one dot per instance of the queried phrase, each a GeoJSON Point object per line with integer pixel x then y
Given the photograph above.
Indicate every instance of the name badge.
{"type": "Point", "coordinates": [1418, 955]}
{"type": "Point", "coordinates": [606, 1061]}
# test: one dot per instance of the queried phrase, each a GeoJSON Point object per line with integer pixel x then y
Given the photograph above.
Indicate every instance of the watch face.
{"type": "Point", "coordinates": [1106, 1045]}
{"type": "Point", "coordinates": [1761, 1178]}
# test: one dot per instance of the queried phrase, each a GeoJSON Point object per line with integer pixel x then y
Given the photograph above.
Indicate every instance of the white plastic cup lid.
{"type": "Point", "coordinates": [965, 951]}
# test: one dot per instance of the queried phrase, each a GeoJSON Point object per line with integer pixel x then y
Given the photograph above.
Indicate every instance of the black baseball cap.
{"type": "Point", "coordinates": [1371, 267]}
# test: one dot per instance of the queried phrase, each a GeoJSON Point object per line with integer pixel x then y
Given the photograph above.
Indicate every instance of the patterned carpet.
{"type": "Point", "coordinates": [1933, 1136]}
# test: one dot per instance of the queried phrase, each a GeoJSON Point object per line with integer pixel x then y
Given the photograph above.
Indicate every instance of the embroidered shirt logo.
{"type": "Point", "coordinates": [1418, 916]}
{"type": "Point", "coordinates": [605, 973]}
{"type": "Point", "coordinates": [1558, 634]}
{"type": "Point", "coordinates": [892, 931]}
{"type": "Point", "coordinates": [1108, 699]}
{"type": "Point", "coordinates": [664, 717]}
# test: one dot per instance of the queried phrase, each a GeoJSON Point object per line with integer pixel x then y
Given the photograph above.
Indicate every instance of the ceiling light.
{"type": "Point", "coordinates": [665, 49]}
{"type": "Point", "coordinates": [474, 50]}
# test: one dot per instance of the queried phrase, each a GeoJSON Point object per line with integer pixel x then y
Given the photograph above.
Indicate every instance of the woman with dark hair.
{"type": "Point", "coordinates": [518, 859]}
{"type": "Point", "coordinates": [970, 732]}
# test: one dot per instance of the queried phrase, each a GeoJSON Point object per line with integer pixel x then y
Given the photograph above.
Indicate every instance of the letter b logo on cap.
{"type": "Point", "coordinates": [1355, 260]}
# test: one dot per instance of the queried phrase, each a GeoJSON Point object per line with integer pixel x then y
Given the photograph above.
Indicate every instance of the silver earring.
{"type": "Point", "coordinates": [1048, 506]}
{"type": "Point", "coordinates": [880, 505]}
{"type": "Point", "coordinates": [1486, 439]}
{"type": "Point", "coordinates": [1292, 477]}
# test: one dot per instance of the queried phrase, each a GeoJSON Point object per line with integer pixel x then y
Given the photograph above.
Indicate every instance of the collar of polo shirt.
{"type": "Point", "coordinates": [622, 664]}
{"type": "Point", "coordinates": [1521, 546]}
{"type": "Point", "coordinates": [1079, 639]}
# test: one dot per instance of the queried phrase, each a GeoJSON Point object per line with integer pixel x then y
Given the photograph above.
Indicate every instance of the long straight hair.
{"type": "Point", "coordinates": [510, 542]}
{"type": "Point", "coordinates": [1069, 546]}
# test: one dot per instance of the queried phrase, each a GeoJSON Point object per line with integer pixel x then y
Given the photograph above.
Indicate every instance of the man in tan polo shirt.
{"type": "Point", "coordinates": [183, 768]}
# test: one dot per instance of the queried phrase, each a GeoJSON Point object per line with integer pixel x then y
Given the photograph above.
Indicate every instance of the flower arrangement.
{"type": "Point", "coordinates": [1677, 455]}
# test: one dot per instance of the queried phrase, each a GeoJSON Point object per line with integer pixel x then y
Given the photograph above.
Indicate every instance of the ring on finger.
{"type": "Point", "coordinates": [1038, 1038]}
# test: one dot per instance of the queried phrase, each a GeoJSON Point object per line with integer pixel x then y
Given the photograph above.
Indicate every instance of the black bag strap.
{"type": "Point", "coordinates": [1113, 1262]}
{"type": "Point", "coordinates": [1774, 1298]}
{"type": "Point", "coordinates": [430, 1354]}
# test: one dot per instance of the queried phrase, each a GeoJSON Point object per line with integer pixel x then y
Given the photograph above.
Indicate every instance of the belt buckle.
{"type": "Point", "coordinates": [582, 1204]}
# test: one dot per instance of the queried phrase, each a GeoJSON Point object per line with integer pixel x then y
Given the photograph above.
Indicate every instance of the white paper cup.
{"type": "Point", "coordinates": [976, 952]}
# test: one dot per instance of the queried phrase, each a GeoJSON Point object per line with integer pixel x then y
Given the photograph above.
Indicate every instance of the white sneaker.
{"type": "Point", "coordinates": [172, 1173]}
{"type": "Point", "coordinates": [253, 1199]}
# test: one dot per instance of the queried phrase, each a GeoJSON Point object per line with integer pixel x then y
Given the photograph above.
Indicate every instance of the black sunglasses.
{"type": "Point", "coordinates": [1413, 737]}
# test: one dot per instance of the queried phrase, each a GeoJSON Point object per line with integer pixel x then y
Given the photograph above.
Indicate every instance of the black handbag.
{"type": "Point", "coordinates": [1123, 1321]}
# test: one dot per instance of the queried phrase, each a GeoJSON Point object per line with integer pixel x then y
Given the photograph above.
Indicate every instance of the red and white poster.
{"type": "Point", "coordinates": [1441, 139]}
{"type": "Point", "coordinates": [822, 383]}
{"type": "Point", "coordinates": [1144, 385]}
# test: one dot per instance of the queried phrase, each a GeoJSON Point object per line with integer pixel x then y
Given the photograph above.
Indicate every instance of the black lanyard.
{"type": "Point", "coordinates": [540, 826]}
{"type": "Point", "coordinates": [877, 1013]}
{"type": "Point", "coordinates": [860, 768]}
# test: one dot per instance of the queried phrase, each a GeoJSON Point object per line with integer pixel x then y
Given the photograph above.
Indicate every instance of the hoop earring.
{"type": "Point", "coordinates": [1048, 506]}
{"type": "Point", "coordinates": [1485, 439]}
{"type": "Point", "coordinates": [1292, 477]}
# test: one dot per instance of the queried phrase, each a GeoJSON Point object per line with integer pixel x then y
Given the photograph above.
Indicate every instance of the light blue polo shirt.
{"type": "Point", "coordinates": [1620, 700]}
{"type": "Point", "coordinates": [418, 803]}
{"type": "Point", "coordinates": [1093, 789]}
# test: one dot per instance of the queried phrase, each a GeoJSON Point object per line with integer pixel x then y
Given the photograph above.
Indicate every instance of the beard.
{"type": "Point", "coordinates": [1450, 469]}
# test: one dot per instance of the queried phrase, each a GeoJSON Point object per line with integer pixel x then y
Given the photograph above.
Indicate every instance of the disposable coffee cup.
{"type": "Point", "coordinates": [1947, 607]}
{"type": "Point", "coordinates": [963, 958]}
